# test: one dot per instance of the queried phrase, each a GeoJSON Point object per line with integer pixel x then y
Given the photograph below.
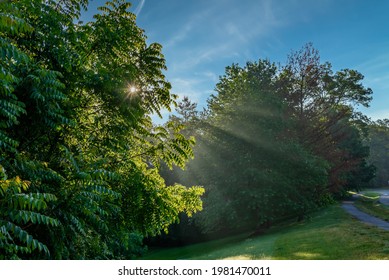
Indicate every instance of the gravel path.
{"type": "Point", "coordinates": [350, 208]}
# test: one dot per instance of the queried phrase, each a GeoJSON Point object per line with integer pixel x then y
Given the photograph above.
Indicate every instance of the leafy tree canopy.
{"type": "Point", "coordinates": [277, 142]}
{"type": "Point", "coordinates": [78, 151]}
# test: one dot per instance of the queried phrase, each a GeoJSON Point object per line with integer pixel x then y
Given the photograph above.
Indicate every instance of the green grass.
{"type": "Point", "coordinates": [368, 203]}
{"type": "Point", "coordinates": [373, 208]}
{"type": "Point", "coordinates": [370, 195]}
{"type": "Point", "coordinates": [330, 234]}
{"type": "Point", "coordinates": [367, 195]}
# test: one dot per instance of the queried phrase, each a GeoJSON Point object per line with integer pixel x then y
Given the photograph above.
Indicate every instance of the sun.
{"type": "Point", "coordinates": [131, 91]}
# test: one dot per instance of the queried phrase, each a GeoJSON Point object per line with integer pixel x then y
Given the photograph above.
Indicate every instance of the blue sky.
{"type": "Point", "coordinates": [201, 37]}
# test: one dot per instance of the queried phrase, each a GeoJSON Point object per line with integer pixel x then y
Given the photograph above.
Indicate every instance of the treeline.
{"type": "Point", "coordinates": [79, 154]}
{"type": "Point", "coordinates": [274, 143]}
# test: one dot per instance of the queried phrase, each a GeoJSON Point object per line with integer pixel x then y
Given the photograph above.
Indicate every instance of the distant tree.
{"type": "Point", "coordinates": [379, 151]}
{"type": "Point", "coordinates": [186, 116]}
{"type": "Point", "coordinates": [187, 110]}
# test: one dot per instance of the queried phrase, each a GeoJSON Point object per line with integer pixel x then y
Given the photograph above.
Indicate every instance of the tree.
{"type": "Point", "coordinates": [277, 143]}
{"type": "Point", "coordinates": [253, 172]}
{"type": "Point", "coordinates": [324, 104]}
{"type": "Point", "coordinates": [76, 128]}
{"type": "Point", "coordinates": [186, 111]}
{"type": "Point", "coordinates": [379, 151]}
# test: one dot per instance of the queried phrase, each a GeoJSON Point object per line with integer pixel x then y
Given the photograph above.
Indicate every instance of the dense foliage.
{"type": "Point", "coordinates": [79, 155]}
{"type": "Point", "coordinates": [277, 142]}
{"type": "Point", "coordinates": [80, 159]}
{"type": "Point", "coordinates": [379, 151]}
{"type": "Point", "coordinates": [325, 106]}
{"type": "Point", "coordinates": [258, 172]}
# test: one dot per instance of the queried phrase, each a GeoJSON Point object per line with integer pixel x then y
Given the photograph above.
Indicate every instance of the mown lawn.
{"type": "Point", "coordinates": [368, 202]}
{"type": "Point", "coordinates": [330, 234]}
{"type": "Point", "coordinates": [374, 208]}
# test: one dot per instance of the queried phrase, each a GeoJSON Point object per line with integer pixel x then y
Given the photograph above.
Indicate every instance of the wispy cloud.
{"type": "Point", "coordinates": [376, 72]}
{"type": "Point", "coordinates": [376, 114]}
{"type": "Point", "coordinates": [183, 33]}
{"type": "Point", "coordinates": [193, 87]}
{"type": "Point", "coordinates": [207, 41]}
{"type": "Point", "coordinates": [210, 75]}
{"type": "Point", "coordinates": [200, 38]}
{"type": "Point", "coordinates": [379, 61]}
{"type": "Point", "coordinates": [180, 35]}
{"type": "Point", "coordinates": [139, 7]}
{"type": "Point", "coordinates": [211, 35]}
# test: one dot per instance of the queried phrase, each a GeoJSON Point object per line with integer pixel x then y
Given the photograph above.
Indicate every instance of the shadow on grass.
{"type": "Point", "coordinates": [331, 234]}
